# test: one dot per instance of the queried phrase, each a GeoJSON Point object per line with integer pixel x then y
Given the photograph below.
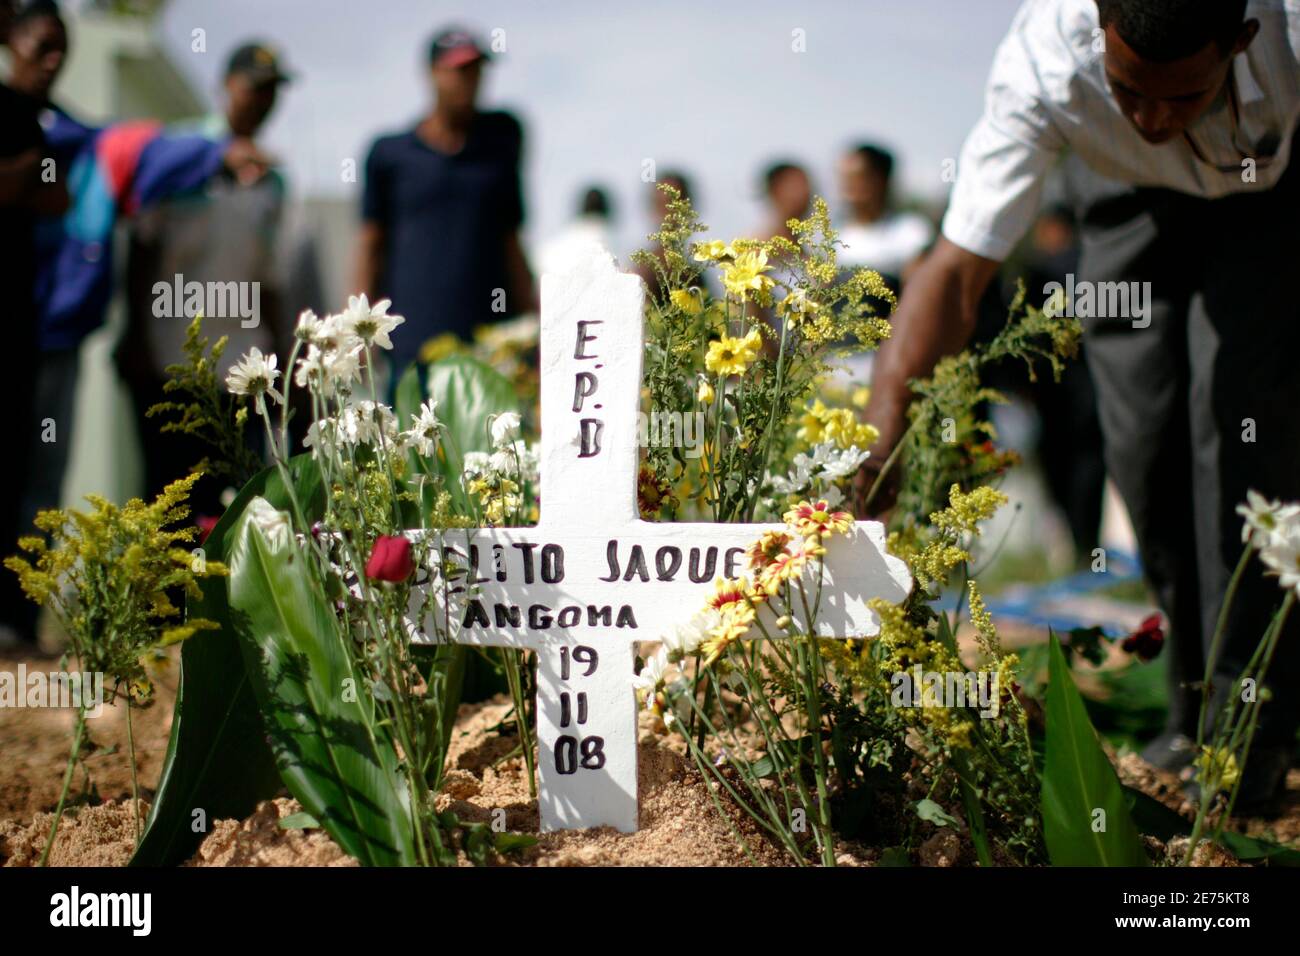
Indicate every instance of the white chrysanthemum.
{"type": "Point", "coordinates": [1281, 555]}
{"type": "Point", "coordinates": [371, 324]}
{"type": "Point", "coordinates": [1268, 518]}
{"type": "Point", "coordinates": [424, 429]}
{"type": "Point", "coordinates": [652, 675]}
{"type": "Point", "coordinates": [505, 429]}
{"type": "Point", "coordinates": [254, 376]}
{"type": "Point", "coordinates": [502, 461]}
{"type": "Point", "coordinates": [476, 464]}
{"type": "Point", "coordinates": [684, 639]}
{"type": "Point", "coordinates": [334, 334]}
{"type": "Point", "coordinates": [309, 325]}
{"type": "Point", "coordinates": [842, 462]}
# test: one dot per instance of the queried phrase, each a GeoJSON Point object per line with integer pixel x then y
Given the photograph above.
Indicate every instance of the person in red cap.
{"type": "Point", "coordinates": [442, 207]}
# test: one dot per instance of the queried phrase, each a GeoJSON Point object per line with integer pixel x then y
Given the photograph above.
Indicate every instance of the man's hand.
{"type": "Point", "coordinates": [935, 317]}
{"type": "Point", "coordinates": [246, 161]}
{"type": "Point", "coordinates": [873, 496]}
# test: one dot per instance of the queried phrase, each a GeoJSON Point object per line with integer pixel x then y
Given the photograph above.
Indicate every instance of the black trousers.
{"type": "Point", "coordinates": [1199, 406]}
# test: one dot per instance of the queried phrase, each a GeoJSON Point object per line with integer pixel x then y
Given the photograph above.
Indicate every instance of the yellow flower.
{"type": "Point", "coordinates": [861, 395]}
{"type": "Point", "coordinates": [814, 519]}
{"type": "Point", "coordinates": [1217, 769]}
{"type": "Point", "coordinates": [770, 544]}
{"type": "Point", "coordinates": [713, 251]}
{"type": "Point", "coordinates": [966, 511]}
{"type": "Point", "coordinates": [732, 356]}
{"type": "Point", "coordinates": [789, 563]}
{"type": "Point", "coordinates": [811, 425]}
{"type": "Point", "coordinates": [733, 596]}
{"type": "Point", "coordinates": [744, 274]}
{"type": "Point", "coordinates": [690, 301]}
{"type": "Point", "coordinates": [839, 425]}
{"type": "Point", "coordinates": [705, 393]}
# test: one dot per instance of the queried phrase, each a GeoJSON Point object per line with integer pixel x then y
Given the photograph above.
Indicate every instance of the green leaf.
{"type": "Point", "coordinates": [895, 856]}
{"type": "Point", "coordinates": [1259, 850]}
{"type": "Point", "coordinates": [1152, 817]}
{"type": "Point", "coordinates": [331, 752]}
{"type": "Point", "coordinates": [1079, 781]}
{"type": "Point", "coordinates": [468, 393]}
{"type": "Point", "coordinates": [300, 821]}
{"type": "Point", "coordinates": [931, 812]}
{"type": "Point", "coordinates": [513, 842]}
{"type": "Point", "coordinates": [217, 757]}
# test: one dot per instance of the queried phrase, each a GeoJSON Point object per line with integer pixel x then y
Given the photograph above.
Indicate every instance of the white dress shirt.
{"type": "Point", "coordinates": [1047, 92]}
{"type": "Point", "coordinates": [887, 245]}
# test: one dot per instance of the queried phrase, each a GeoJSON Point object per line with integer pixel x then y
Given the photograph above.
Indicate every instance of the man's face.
{"type": "Point", "coordinates": [248, 104]}
{"type": "Point", "coordinates": [39, 48]}
{"type": "Point", "coordinates": [1162, 100]}
{"type": "Point", "coordinates": [861, 186]}
{"type": "Point", "coordinates": [457, 86]}
{"type": "Point", "coordinates": [791, 194]}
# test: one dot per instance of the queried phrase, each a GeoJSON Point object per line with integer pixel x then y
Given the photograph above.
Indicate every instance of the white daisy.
{"type": "Point", "coordinates": [309, 325]}
{"type": "Point", "coordinates": [1281, 555]}
{"type": "Point", "coordinates": [652, 675]}
{"type": "Point", "coordinates": [371, 324]}
{"type": "Point", "coordinates": [424, 429]}
{"type": "Point", "coordinates": [1269, 518]}
{"type": "Point", "coordinates": [505, 428]}
{"type": "Point", "coordinates": [255, 377]}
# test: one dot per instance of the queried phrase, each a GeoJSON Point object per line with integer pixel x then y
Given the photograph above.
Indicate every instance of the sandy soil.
{"type": "Point", "coordinates": [679, 822]}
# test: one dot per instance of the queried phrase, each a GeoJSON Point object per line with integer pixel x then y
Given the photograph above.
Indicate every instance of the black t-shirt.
{"type": "Point", "coordinates": [446, 218]}
{"type": "Point", "coordinates": [19, 131]}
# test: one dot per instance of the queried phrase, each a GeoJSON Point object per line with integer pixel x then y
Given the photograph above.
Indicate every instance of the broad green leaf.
{"type": "Point", "coordinates": [332, 754]}
{"type": "Point", "coordinates": [468, 393]}
{"type": "Point", "coordinates": [217, 758]}
{"type": "Point", "coordinates": [1259, 850]}
{"type": "Point", "coordinates": [931, 812]}
{"type": "Point", "coordinates": [1086, 820]}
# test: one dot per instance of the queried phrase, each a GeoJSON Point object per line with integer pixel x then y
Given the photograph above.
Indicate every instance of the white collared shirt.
{"type": "Point", "coordinates": [1047, 92]}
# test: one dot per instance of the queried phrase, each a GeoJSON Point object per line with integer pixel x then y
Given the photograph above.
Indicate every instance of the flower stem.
{"type": "Point", "coordinates": [77, 734]}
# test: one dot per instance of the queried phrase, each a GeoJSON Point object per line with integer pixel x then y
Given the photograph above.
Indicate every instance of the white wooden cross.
{"type": "Point", "coordinates": [591, 578]}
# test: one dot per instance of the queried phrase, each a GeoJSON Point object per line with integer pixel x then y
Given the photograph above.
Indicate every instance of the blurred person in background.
{"type": "Point", "coordinates": [442, 209]}
{"type": "Point", "coordinates": [225, 232]}
{"type": "Point", "coordinates": [1186, 115]}
{"type": "Point", "coordinates": [112, 173]}
{"type": "Point", "coordinates": [591, 227]}
{"type": "Point", "coordinates": [658, 207]}
{"type": "Point", "coordinates": [788, 191]}
{"type": "Point", "coordinates": [24, 193]}
{"type": "Point", "coordinates": [874, 234]}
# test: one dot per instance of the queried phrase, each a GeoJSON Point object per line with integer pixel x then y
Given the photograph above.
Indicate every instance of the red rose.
{"type": "Point", "coordinates": [206, 523]}
{"type": "Point", "coordinates": [390, 560]}
{"type": "Point", "coordinates": [1147, 640]}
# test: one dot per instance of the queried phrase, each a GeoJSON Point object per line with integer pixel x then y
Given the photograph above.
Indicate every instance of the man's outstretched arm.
{"type": "Point", "coordinates": [935, 317]}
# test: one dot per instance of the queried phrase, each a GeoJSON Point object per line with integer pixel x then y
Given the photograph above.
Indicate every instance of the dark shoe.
{"type": "Point", "coordinates": [1263, 788]}
{"type": "Point", "coordinates": [1170, 751]}
{"type": "Point", "coordinates": [1264, 784]}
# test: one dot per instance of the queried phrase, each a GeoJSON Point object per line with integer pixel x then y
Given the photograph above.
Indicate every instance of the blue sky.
{"type": "Point", "coordinates": [714, 88]}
